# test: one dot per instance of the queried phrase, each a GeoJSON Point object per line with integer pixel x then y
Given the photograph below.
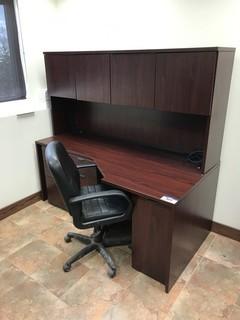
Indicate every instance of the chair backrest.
{"type": "Point", "coordinates": [63, 170]}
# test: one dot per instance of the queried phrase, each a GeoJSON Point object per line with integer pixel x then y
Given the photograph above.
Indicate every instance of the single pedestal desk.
{"type": "Point", "coordinates": [133, 117]}
{"type": "Point", "coordinates": [165, 235]}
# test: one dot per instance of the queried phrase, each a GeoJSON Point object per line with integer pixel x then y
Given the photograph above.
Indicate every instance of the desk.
{"type": "Point", "coordinates": [168, 99]}
{"type": "Point", "coordinates": [142, 171]}
{"type": "Point", "coordinates": [165, 236]}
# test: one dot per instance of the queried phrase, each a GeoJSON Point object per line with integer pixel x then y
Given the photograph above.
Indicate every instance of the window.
{"type": "Point", "coordinates": [12, 85]}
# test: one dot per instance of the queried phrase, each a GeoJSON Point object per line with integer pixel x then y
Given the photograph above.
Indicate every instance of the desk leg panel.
{"type": "Point", "coordinates": [192, 223]}
{"type": "Point", "coordinates": [151, 239]}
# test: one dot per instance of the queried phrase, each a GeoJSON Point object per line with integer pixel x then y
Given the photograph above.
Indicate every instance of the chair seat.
{"type": "Point", "coordinates": [101, 208]}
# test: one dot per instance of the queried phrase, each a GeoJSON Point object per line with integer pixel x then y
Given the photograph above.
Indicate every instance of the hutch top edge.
{"type": "Point", "coordinates": [200, 49]}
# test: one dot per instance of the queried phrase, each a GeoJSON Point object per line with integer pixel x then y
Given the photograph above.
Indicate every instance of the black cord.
{"type": "Point", "coordinates": [195, 157]}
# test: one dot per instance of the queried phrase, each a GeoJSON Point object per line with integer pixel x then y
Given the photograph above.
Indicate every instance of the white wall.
{"type": "Point", "coordinates": [18, 166]}
{"type": "Point", "coordinates": [18, 169]}
{"type": "Point", "coordinates": [138, 24]}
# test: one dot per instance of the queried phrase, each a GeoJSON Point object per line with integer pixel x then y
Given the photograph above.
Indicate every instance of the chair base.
{"type": "Point", "coordinates": [93, 242]}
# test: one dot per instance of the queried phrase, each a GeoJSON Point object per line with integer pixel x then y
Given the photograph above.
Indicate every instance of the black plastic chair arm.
{"type": "Point", "coordinates": [82, 166]}
{"type": "Point", "coordinates": [109, 193]}
{"type": "Point", "coordinates": [86, 165]}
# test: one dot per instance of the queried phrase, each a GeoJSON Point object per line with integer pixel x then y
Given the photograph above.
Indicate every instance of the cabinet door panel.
{"type": "Point", "coordinates": [132, 79]}
{"type": "Point", "coordinates": [93, 77]}
{"type": "Point", "coordinates": [60, 76]}
{"type": "Point", "coordinates": [184, 82]}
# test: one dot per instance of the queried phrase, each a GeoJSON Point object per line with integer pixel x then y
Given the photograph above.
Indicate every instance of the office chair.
{"type": "Point", "coordinates": [96, 207]}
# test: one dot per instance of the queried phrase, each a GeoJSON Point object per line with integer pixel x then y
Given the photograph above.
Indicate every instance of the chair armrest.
{"type": "Point", "coordinates": [102, 194]}
{"type": "Point", "coordinates": [86, 165]}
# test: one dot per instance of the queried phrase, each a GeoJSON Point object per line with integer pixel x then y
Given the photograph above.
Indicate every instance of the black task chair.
{"type": "Point", "coordinates": [91, 206]}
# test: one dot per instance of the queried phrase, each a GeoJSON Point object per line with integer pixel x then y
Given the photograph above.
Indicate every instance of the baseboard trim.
{"type": "Point", "coordinates": [226, 231]}
{"type": "Point", "coordinates": [19, 205]}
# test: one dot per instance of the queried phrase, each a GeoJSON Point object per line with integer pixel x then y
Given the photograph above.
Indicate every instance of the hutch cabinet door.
{"type": "Point", "coordinates": [185, 81]}
{"type": "Point", "coordinates": [60, 76]}
{"type": "Point", "coordinates": [92, 77]}
{"type": "Point", "coordinates": [132, 79]}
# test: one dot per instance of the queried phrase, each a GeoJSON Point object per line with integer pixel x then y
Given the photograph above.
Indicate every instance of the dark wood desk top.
{"type": "Point", "coordinates": [143, 171]}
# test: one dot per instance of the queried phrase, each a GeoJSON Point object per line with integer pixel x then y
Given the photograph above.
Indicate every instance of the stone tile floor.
{"type": "Point", "coordinates": [33, 285]}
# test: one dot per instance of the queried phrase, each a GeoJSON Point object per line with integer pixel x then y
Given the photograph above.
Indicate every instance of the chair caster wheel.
{"type": "Point", "coordinates": [112, 273]}
{"type": "Point", "coordinates": [67, 239]}
{"type": "Point", "coordinates": [66, 267]}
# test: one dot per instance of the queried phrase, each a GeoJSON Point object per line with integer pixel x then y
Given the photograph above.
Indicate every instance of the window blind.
{"type": "Point", "coordinates": [12, 84]}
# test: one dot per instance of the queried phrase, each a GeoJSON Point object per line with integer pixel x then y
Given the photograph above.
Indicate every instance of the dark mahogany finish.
{"type": "Point", "coordinates": [226, 231]}
{"type": "Point", "coordinates": [179, 81]}
{"type": "Point", "coordinates": [183, 94]}
{"type": "Point", "coordinates": [60, 76]}
{"type": "Point", "coordinates": [132, 79]}
{"type": "Point", "coordinates": [184, 82]}
{"type": "Point", "coordinates": [150, 174]}
{"type": "Point", "coordinates": [171, 131]}
{"type": "Point", "coordinates": [192, 223]}
{"type": "Point", "coordinates": [93, 77]}
{"type": "Point", "coordinates": [215, 131]}
{"type": "Point", "coordinates": [152, 224]}
{"type": "Point", "coordinates": [141, 171]}
{"type": "Point", "coordinates": [62, 114]}
{"type": "Point", "coordinates": [188, 223]}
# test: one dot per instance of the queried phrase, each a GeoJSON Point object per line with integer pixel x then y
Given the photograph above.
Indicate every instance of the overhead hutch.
{"type": "Point", "coordinates": [134, 117]}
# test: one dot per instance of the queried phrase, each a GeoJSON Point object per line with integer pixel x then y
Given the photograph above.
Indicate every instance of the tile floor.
{"type": "Point", "coordinates": [33, 285]}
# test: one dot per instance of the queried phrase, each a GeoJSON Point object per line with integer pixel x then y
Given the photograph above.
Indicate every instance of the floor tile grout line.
{"type": "Point", "coordinates": [21, 247]}
{"type": "Point", "coordinates": [211, 242]}
{"type": "Point", "coordinates": [223, 263]}
{"type": "Point", "coordinates": [184, 286]}
{"type": "Point", "coordinates": [42, 285]}
{"type": "Point", "coordinates": [194, 270]}
{"type": "Point", "coordinates": [236, 305]}
{"type": "Point", "coordinates": [201, 258]}
{"type": "Point", "coordinates": [231, 312]}
{"type": "Point", "coordinates": [31, 278]}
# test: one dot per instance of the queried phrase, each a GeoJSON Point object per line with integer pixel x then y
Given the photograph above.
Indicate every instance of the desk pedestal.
{"type": "Point", "coordinates": [165, 237]}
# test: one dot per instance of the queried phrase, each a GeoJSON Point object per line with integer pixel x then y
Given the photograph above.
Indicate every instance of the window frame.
{"type": "Point", "coordinates": [15, 52]}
